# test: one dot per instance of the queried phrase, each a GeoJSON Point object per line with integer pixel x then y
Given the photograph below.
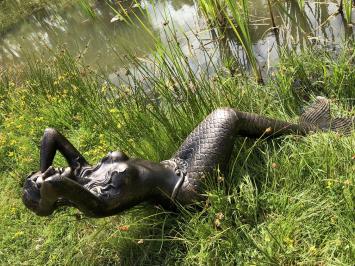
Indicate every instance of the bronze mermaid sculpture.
{"type": "Point", "coordinates": [118, 182]}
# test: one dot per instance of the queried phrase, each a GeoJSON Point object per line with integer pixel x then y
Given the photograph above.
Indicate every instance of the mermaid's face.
{"type": "Point", "coordinates": [31, 191]}
{"type": "Point", "coordinates": [118, 183]}
{"type": "Point", "coordinates": [31, 195]}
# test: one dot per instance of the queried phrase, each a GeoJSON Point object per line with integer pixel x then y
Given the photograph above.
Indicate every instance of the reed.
{"type": "Point", "coordinates": [283, 202]}
{"type": "Point", "coordinates": [214, 12]}
{"type": "Point", "coordinates": [239, 22]}
{"type": "Point", "coordinates": [234, 15]}
{"type": "Point", "coordinates": [87, 8]}
{"type": "Point", "coordinates": [302, 186]}
{"type": "Point", "coordinates": [271, 14]}
{"type": "Point", "coordinates": [301, 4]}
{"type": "Point", "coordinates": [345, 9]}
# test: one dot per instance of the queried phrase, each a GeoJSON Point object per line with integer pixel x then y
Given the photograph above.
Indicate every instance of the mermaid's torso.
{"type": "Point", "coordinates": [208, 146]}
{"type": "Point", "coordinates": [103, 179]}
{"type": "Point", "coordinates": [188, 188]}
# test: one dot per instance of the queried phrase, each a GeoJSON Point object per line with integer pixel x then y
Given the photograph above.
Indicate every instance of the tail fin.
{"type": "Point", "coordinates": [343, 124]}
{"type": "Point", "coordinates": [317, 117]}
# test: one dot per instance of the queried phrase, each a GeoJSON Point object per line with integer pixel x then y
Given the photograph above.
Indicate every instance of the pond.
{"type": "Point", "coordinates": [103, 37]}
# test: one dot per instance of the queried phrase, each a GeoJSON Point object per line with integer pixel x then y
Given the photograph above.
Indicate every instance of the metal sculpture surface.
{"type": "Point", "coordinates": [118, 182]}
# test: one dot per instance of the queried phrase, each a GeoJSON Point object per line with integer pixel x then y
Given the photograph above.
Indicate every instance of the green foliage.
{"type": "Point", "coordinates": [348, 10]}
{"type": "Point", "coordinates": [214, 12]}
{"type": "Point", "coordinates": [87, 8]}
{"type": "Point", "coordinates": [224, 14]}
{"type": "Point", "coordinates": [286, 201]}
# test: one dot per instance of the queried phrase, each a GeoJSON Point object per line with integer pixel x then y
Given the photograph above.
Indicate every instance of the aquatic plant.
{"type": "Point", "coordinates": [234, 15]}
{"type": "Point", "coordinates": [301, 4]}
{"type": "Point", "coordinates": [87, 8]}
{"type": "Point", "coordinates": [239, 22]}
{"type": "Point", "coordinates": [271, 14]}
{"type": "Point", "coordinates": [345, 9]}
{"type": "Point", "coordinates": [214, 12]}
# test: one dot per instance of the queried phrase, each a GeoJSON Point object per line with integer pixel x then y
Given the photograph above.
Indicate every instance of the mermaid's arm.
{"type": "Point", "coordinates": [52, 141]}
{"type": "Point", "coordinates": [61, 186]}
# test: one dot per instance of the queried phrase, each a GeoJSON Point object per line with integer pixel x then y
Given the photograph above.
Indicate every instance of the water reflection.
{"type": "Point", "coordinates": [102, 40]}
{"type": "Point", "coordinates": [318, 24]}
{"type": "Point", "coordinates": [74, 29]}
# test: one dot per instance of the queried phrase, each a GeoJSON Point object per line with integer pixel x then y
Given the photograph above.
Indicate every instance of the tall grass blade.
{"type": "Point", "coordinates": [239, 22]}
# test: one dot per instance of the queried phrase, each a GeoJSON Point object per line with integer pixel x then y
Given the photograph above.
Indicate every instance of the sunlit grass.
{"type": "Point", "coordinates": [214, 12]}
{"type": "Point", "coordinates": [87, 8]}
{"type": "Point", "coordinates": [285, 202]}
{"type": "Point", "coordinates": [240, 25]}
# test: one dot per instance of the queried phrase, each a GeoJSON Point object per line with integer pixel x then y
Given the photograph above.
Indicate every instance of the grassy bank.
{"type": "Point", "coordinates": [13, 12]}
{"type": "Point", "coordinates": [287, 201]}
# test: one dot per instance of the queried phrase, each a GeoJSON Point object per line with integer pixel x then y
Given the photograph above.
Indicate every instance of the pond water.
{"type": "Point", "coordinates": [102, 39]}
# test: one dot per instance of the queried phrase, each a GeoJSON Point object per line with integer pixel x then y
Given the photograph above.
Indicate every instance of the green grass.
{"type": "Point", "coordinates": [287, 201]}
{"type": "Point", "coordinates": [346, 9]}
{"type": "Point", "coordinates": [225, 16]}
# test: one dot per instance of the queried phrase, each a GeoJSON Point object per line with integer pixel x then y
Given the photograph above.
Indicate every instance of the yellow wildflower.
{"type": "Point", "coordinates": [337, 242]}
{"type": "Point", "coordinates": [329, 184]}
{"type": "Point", "coordinates": [347, 182]}
{"type": "Point", "coordinates": [18, 234]}
{"type": "Point", "coordinates": [113, 110]}
{"type": "Point", "coordinates": [289, 242]}
{"type": "Point", "coordinates": [312, 249]}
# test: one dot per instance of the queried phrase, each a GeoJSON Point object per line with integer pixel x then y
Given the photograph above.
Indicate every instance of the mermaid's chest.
{"type": "Point", "coordinates": [103, 181]}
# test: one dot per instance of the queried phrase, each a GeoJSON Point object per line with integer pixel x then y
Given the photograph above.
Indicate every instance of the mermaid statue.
{"type": "Point", "coordinates": [118, 182]}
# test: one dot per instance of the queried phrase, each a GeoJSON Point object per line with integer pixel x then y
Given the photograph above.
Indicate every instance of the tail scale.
{"type": "Point", "coordinates": [317, 117]}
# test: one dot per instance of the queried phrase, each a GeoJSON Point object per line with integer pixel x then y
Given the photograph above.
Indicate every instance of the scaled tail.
{"type": "Point", "coordinates": [317, 117]}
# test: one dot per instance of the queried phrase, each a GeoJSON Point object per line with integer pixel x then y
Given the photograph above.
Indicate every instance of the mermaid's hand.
{"type": "Point", "coordinates": [50, 179]}
{"type": "Point", "coordinates": [39, 192]}
{"type": "Point", "coordinates": [37, 178]}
